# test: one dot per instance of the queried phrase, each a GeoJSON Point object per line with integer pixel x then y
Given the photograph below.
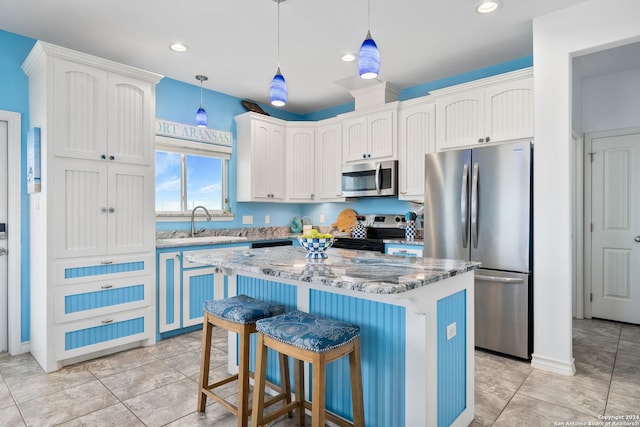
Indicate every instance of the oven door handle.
{"type": "Point", "coordinates": [378, 167]}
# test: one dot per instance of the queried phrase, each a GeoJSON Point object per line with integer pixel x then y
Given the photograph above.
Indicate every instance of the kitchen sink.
{"type": "Point", "coordinates": [201, 240]}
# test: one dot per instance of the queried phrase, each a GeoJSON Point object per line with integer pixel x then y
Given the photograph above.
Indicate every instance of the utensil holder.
{"type": "Point", "coordinates": [410, 231]}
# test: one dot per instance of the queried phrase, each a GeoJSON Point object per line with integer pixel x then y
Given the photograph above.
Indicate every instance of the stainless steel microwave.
{"type": "Point", "coordinates": [370, 179]}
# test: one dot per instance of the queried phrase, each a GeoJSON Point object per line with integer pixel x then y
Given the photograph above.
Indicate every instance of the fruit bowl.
{"type": "Point", "coordinates": [316, 246]}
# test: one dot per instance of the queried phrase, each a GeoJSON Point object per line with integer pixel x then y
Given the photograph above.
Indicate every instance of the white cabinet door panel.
{"type": "Point", "coordinates": [80, 111]}
{"type": "Point", "coordinates": [81, 208]}
{"type": "Point", "coordinates": [129, 191]}
{"type": "Point", "coordinates": [131, 110]}
{"type": "Point", "coordinates": [328, 163]}
{"type": "Point", "coordinates": [417, 136]}
{"type": "Point", "coordinates": [301, 173]}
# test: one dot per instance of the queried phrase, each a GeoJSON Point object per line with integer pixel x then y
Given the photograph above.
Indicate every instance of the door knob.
{"type": "Point", "coordinates": [637, 239]}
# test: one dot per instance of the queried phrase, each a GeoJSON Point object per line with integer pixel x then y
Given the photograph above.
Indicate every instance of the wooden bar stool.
{"type": "Point", "coordinates": [238, 314]}
{"type": "Point", "coordinates": [316, 340]}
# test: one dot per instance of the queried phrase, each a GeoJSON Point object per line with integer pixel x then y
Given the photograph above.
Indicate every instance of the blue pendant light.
{"type": "Point", "coordinates": [369, 56]}
{"type": "Point", "coordinates": [201, 115]}
{"type": "Point", "coordinates": [278, 89]}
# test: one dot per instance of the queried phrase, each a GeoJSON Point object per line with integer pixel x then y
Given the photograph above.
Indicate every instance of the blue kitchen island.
{"type": "Point", "coordinates": [415, 314]}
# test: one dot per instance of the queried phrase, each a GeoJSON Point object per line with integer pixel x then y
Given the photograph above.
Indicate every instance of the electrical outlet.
{"type": "Point", "coordinates": [267, 219]}
{"type": "Point", "coordinates": [321, 218]}
{"type": "Point", "coordinates": [247, 219]}
{"type": "Point", "coordinates": [451, 331]}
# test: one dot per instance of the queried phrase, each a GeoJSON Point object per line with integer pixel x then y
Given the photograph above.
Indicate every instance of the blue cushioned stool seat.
{"type": "Point", "coordinates": [242, 309]}
{"type": "Point", "coordinates": [308, 332]}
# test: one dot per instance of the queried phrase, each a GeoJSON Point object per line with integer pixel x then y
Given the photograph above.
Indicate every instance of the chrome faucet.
{"type": "Point", "coordinates": [193, 228]}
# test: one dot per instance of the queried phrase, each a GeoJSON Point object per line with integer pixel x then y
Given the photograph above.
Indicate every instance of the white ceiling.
{"type": "Point", "coordinates": [234, 42]}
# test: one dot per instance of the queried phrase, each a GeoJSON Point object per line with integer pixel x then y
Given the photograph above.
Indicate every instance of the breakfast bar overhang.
{"type": "Point", "coordinates": [416, 318]}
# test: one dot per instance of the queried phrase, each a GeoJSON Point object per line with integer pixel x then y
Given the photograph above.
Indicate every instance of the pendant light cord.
{"type": "Point", "coordinates": [369, 15]}
{"type": "Point", "coordinates": [279, 1]}
{"type": "Point", "coordinates": [200, 93]}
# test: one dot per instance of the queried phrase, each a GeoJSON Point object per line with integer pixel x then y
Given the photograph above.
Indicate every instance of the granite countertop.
{"type": "Point", "coordinates": [361, 271]}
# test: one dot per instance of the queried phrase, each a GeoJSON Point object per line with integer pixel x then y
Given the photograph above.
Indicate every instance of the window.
{"type": "Point", "coordinates": [188, 175]}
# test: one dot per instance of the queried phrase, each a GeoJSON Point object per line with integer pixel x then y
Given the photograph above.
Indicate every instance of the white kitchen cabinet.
{"type": "Point", "coordinates": [416, 128]}
{"type": "Point", "coordinates": [93, 222]}
{"type": "Point", "coordinates": [102, 115]}
{"type": "Point", "coordinates": [328, 161]}
{"type": "Point", "coordinates": [486, 111]}
{"type": "Point", "coordinates": [370, 136]}
{"type": "Point", "coordinates": [314, 162]}
{"type": "Point", "coordinates": [103, 208]}
{"type": "Point", "coordinates": [300, 163]}
{"type": "Point", "coordinates": [261, 158]}
{"type": "Point", "coordinates": [184, 286]}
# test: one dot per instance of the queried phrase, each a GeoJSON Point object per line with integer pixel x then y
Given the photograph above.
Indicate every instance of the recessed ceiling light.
{"type": "Point", "coordinates": [488, 6]}
{"type": "Point", "coordinates": [179, 47]}
{"type": "Point", "coordinates": [348, 57]}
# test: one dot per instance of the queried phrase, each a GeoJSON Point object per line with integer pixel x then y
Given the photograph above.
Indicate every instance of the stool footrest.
{"type": "Point", "coordinates": [266, 419]}
{"type": "Point", "coordinates": [229, 406]}
{"type": "Point", "coordinates": [222, 382]}
{"type": "Point", "coordinates": [330, 416]}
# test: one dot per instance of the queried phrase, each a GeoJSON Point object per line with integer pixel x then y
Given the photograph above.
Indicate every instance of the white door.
{"type": "Point", "coordinates": [4, 319]}
{"type": "Point", "coordinates": [615, 215]}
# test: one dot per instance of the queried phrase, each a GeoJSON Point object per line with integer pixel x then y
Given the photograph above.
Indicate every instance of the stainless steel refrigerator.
{"type": "Point", "coordinates": [477, 206]}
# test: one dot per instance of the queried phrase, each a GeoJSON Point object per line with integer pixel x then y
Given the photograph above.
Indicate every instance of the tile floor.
{"type": "Point", "coordinates": [157, 386]}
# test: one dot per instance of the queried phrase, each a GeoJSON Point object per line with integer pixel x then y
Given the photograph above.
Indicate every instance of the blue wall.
{"type": "Point", "coordinates": [14, 96]}
{"type": "Point", "coordinates": [177, 101]}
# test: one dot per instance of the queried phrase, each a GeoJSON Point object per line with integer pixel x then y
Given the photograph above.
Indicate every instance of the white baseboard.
{"type": "Point", "coordinates": [553, 365]}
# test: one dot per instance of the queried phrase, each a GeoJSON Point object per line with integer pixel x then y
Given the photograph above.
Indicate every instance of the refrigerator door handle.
{"type": "Point", "coordinates": [499, 279]}
{"type": "Point", "coordinates": [378, 178]}
{"type": "Point", "coordinates": [474, 206]}
{"type": "Point", "coordinates": [464, 205]}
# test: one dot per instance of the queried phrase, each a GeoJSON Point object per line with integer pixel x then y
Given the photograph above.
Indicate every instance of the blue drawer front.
{"type": "Point", "coordinates": [103, 298]}
{"type": "Point", "coordinates": [452, 358]}
{"type": "Point", "coordinates": [200, 290]}
{"type": "Point", "coordinates": [97, 270]}
{"type": "Point", "coordinates": [102, 333]}
{"type": "Point", "coordinates": [277, 293]}
{"type": "Point", "coordinates": [382, 342]}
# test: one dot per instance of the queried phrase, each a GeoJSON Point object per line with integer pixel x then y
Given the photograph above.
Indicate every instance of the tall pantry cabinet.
{"type": "Point", "coordinates": [92, 224]}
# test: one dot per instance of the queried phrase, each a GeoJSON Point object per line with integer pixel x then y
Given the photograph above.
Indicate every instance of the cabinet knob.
{"type": "Point", "coordinates": [106, 286]}
{"type": "Point", "coordinates": [364, 156]}
{"type": "Point", "coordinates": [106, 321]}
{"type": "Point", "coordinates": [368, 155]}
{"type": "Point", "coordinates": [111, 210]}
{"type": "Point", "coordinates": [480, 139]}
{"type": "Point", "coordinates": [403, 192]}
{"type": "Point", "coordinates": [487, 139]}
{"type": "Point", "coordinates": [103, 210]}
{"type": "Point", "coordinates": [313, 196]}
{"type": "Point", "coordinates": [103, 156]}
{"type": "Point", "coordinates": [112, 157]}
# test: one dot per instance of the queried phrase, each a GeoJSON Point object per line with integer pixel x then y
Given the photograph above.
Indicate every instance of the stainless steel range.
{"type": "Point", "coordinates": [379, 227]}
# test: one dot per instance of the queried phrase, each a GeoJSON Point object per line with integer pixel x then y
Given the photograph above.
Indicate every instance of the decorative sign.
{"type": "Point", "coordinates": [193, 133]}
{"type": "Point", "coordinates": [33, 160]}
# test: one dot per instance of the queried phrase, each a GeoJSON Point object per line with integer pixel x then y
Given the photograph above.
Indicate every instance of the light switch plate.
{"type": "Point", "coordinates": [267, 219]}
{"type": "Point", "coordinates": [321, 218]}
{"type": "Point", "coordinates": [247, 219]}
{"type": "Point", "coordinates": [451, 331]}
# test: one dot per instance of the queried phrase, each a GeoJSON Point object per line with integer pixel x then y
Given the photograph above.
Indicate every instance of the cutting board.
{"type": "Point", "coordinates": [346, 220]}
